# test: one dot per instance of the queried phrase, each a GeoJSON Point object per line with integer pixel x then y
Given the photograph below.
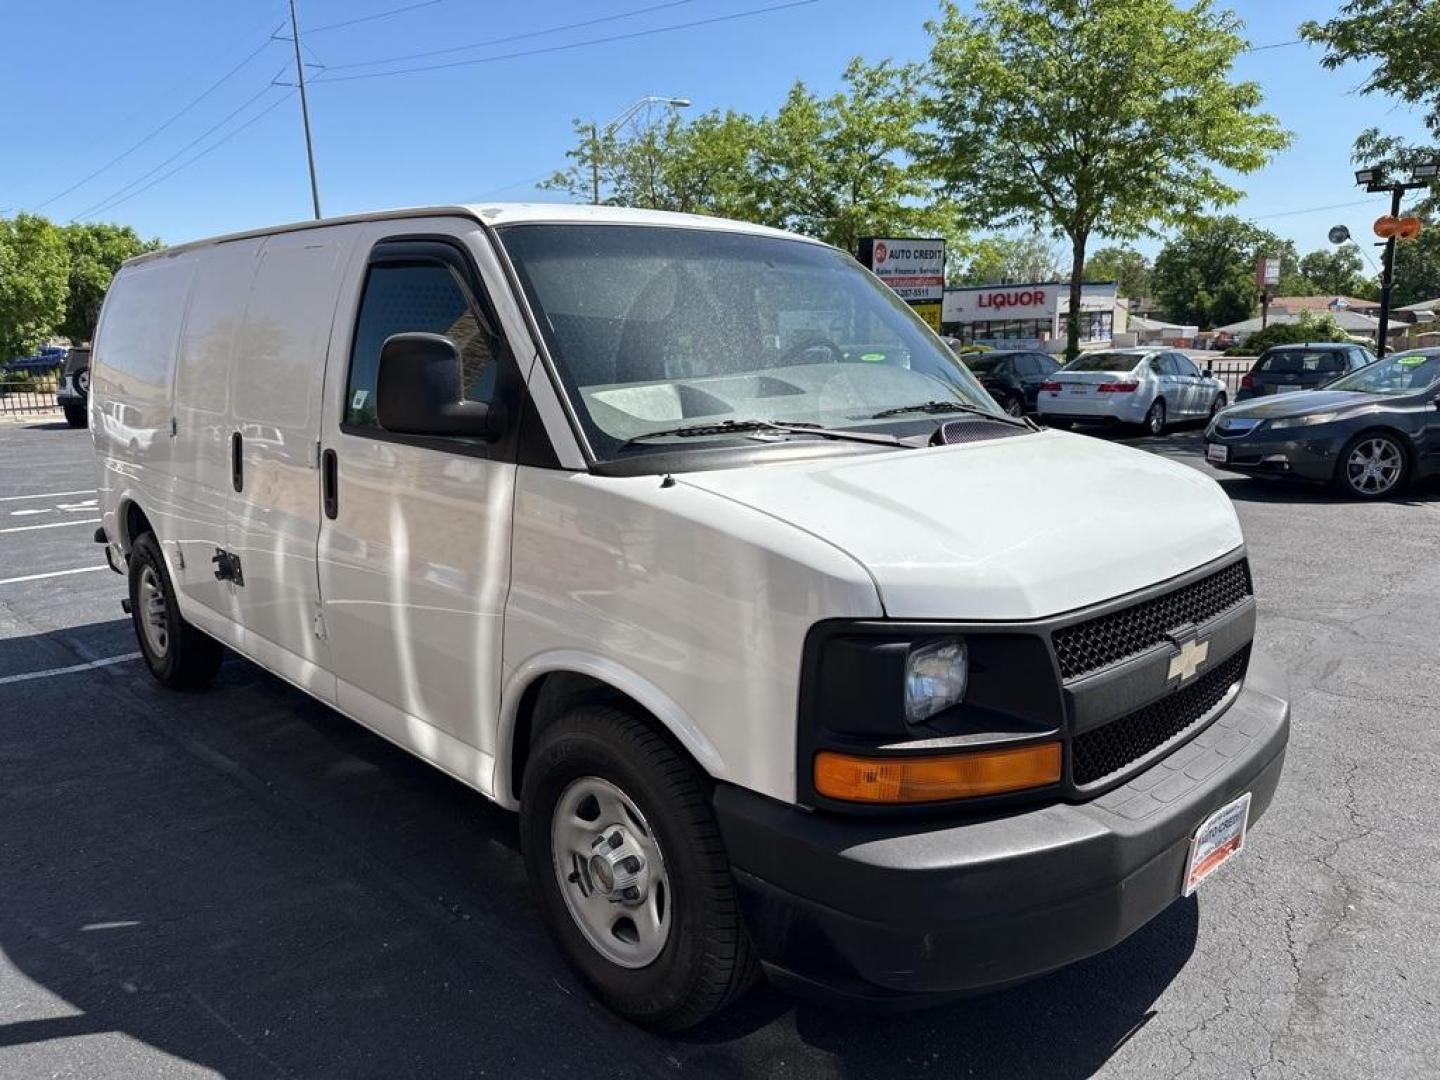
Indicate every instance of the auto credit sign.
{"type": "Point", "coordinates": [914, 268]}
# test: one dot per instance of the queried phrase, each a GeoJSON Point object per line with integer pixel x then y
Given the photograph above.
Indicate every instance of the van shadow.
{"type": "Point", "coordinates": [243, 879]}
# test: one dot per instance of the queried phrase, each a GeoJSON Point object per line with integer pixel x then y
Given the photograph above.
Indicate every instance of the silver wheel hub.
{"type": "Point", "coordinates": [1374, 466]}
{"type": "Point", "coordinates": [154, 620]}
{"type": "Point", "coordinates": [611, 872]}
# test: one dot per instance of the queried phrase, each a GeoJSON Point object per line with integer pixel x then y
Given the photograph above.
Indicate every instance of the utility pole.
{"type": "Point", "coordinates": [1387, 273]}
{"type": "Point", "coordinates": [304, 110]}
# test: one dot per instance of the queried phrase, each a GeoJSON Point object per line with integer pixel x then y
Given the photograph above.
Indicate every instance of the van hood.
{"type": "Point", "coordinates": [1017, 528]}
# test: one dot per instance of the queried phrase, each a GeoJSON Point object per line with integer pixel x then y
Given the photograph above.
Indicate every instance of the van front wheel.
{"type": "Point", "coordinates": [629, 869]}
{"type": "Point", "coordinates": [176, 653]}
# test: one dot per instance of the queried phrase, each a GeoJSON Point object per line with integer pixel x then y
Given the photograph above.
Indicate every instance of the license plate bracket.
{"type": "Point", "coordinates": [1217, 453]}
{"type": "Point", "coordinates": [1219, 839]}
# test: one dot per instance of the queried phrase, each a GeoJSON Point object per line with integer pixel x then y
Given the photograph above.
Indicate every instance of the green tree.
{"type": "Point", "coordinates": [1399, 40]}
{"type": "Point", "coordinates": [1308, 327]}
{"type": "Point", "coordinates": [33, 268]}
{"type": "Point", "coordinates": [1125, 266]}
{"type": "Point", "coordinates": [1338, 271]}
{"type": "Point", "coordinates": [1417, 267]}
{"type": "Point", "coordinates": [1206, 275]}
{"type": "Point", "coordinates": [1093, 117]}
{"type": "Point", "coordinates": [996, 260]}
{"type": "Point", "coordinates": [842, 167]}
{"type": "Point", "coordinates": [95, 253]}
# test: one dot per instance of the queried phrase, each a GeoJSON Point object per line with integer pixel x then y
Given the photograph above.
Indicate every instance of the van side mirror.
{"type": "Point", "coordinates": [420, 391]}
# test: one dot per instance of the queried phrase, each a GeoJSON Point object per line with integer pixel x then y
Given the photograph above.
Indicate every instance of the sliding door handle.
{"type": "Point", "coordinates": [330, 480]}
{"type": "Point", "coordinates": [237, 465]}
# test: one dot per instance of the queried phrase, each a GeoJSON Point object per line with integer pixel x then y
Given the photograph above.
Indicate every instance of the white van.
{"type": "Point", "coordinates": [689, 541]}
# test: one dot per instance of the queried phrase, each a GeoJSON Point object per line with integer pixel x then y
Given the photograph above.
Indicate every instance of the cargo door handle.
{"type": "Point", "coordinates": [330, 479]}
{"type": "Point", "coordinates": [237, 468]}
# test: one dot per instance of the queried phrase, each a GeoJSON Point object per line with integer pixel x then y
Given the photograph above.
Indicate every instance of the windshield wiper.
{"type": "Point", "coordinates": [783, 427]}
{"type": "Point", "coordinates": [950, 406]}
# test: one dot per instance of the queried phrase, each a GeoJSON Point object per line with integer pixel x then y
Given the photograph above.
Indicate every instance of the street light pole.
{"type": "Point", "coordinates": [596, 132]}
{"type": "Point", "coordinates": [304, 110]}
{"type": "Point", "coordinates": [1387, 272]}
{"type": "Point", "coordinates": [1372, 178]}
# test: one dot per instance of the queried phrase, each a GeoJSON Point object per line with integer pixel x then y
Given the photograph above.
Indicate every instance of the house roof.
{"type": "Point", "coordinates": [1323, 303]}
{"type": "Point", "coordinates": [1423, 305]}
{"type": "Point", "coordinates": [1346, 320]}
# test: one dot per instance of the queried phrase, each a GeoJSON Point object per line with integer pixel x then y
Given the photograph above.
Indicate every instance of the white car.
{"type": "Point", "coordinates": [1145, 387]}
{"type": "Point", "coordinates": [689, 541]}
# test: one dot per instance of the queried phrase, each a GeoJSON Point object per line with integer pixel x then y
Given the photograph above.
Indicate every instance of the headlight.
{"type": "Point", "coordinates": [1308, 420]}
{"type": "Point", "coordinates": [935, 677]}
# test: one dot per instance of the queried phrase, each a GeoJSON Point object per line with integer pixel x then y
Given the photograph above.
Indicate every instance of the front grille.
{"type": "Point", "coordinates": [1108, 749]}
{"type": "Point", "coordinates": [974, 429]}
{"type": "Point", "coordinates": [1107, 639]}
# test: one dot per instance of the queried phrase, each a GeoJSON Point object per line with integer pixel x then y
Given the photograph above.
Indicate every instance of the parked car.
{"type": "Point", "coordinates": [1012, 378]}
{"type": "Point", "coordinates": [788, 646]}
{"type": "Point", "coordinates": [1148, 387]}
{"type": "Point", "coordinates": [1284, 369]}
{"type": "Point", "coordinates": [49, 358]}
{"type": "Point", "coordinates": [1368, 433]}
{"type": "Point", "coordinates": [73, 396]}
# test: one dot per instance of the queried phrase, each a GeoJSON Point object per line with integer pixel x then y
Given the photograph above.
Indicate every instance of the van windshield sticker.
{"type": "Point", "coordinates": [358, 401]}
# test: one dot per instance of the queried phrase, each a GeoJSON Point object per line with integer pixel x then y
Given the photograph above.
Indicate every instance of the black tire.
{"type": "Point", "coordinates": [1154, 422]}
{"type": "Point", "coordinates": [74, 414]}
{"type": "Point", "coordinates": [1217, 403]}
{"type": "Point", "coordinates": [188, 658]}
{"type": "Point", "coordinates": [1346, 482]}
{"type": "Point", "coordinates": [1014, 405]}
{"type": "Point", "coordinates": [707, 959]}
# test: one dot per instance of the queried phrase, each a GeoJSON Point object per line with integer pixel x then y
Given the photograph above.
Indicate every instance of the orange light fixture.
{"type": "Point", "coordinates": [935, 778]}
{"type": "Point", "coordinates": [1387, 226]}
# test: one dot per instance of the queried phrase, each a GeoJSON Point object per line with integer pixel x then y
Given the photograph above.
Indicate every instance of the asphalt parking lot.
{"type": "Point", "coordinates": [241, 882]}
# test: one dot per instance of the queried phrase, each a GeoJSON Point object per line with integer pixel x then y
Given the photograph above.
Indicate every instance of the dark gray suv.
{"type": "Point", "coordinates": [1284, 368]}
{"type": "Point", "coordinates": [74, 393]}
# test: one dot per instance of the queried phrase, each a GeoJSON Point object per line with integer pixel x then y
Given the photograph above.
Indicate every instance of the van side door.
{"type": "Point", "coordinates": [415, 544]}
{"type": "Point", "coordinates": [276, 379]}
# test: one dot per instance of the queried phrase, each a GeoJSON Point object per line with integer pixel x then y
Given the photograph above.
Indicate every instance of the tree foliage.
{"type": "Point", "coordinates": [1308, 327]}
{"type": "Point", "coordinates": [1093, 116]}
{"type": "Point", "coordinates": [997, 260]}
{"type": "Point", "coordinates": [1125, 266]}
{"type": "Point", "coordinates": [1399, 39]}
{"type": "Point", "coordinates": [1206, 275]}
{"type": "Point", "coordinates": [1338, 271]}
{"type": "Point", "coordinates": [837, 167]}
{"type": "Point", "coordinates": [94, 253]}
{"type": "Point", "coordinates": [1417, 267]}
{"type": "Point", "coordinates": [33, 268]}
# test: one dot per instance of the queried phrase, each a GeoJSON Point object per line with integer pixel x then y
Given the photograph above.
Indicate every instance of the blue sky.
{"type": "Point", "coordinates": [101, 75]}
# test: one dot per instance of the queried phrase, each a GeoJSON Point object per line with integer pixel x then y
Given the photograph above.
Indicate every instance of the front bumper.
{"type": "Point", "coordinates": [884, 910]}
{"type": "Point", "coordinates": [1287, 452]}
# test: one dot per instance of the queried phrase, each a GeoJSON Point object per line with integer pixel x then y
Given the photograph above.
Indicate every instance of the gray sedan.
{"type": "Point", "coordinates": [1368, 433]}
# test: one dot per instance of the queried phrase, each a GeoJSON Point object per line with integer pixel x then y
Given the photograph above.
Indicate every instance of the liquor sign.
{"type": "Point", "coordinates": [914, 268]}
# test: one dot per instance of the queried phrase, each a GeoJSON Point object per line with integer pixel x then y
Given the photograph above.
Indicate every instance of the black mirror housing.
{"type": "Point", "coordinates": [419, 391]}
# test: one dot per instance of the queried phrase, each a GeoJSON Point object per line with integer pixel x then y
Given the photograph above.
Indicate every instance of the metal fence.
{"type": "Point", "coordinates": [28, 391]}
{"type": "Point", "coordinates": [1229, 370]}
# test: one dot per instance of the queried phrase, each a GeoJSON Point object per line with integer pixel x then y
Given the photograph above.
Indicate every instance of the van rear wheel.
{"type": "Point", "coordinates": [629, 869]}
{"type": "Point", "coordinates": [176, 653]}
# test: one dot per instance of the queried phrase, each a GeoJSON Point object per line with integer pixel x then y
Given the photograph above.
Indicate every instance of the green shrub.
{"type": "Point", "coordinates": [1309, 327]}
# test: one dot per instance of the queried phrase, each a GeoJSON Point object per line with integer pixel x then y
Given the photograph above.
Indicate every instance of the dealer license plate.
{"type": "Point", "coordinates": [1217, 453]}
{"type": "Point", "coordinates": [1220, 837]}
{"type": "Point", "coordinates": [1288, 389]}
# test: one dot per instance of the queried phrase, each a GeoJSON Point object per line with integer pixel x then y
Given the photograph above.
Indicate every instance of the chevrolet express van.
{"type": "Point", "coordinates": [689, 541]}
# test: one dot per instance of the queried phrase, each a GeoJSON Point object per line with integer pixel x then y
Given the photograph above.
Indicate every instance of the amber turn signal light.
{"type": "Point", "coordinates": [937, 778]}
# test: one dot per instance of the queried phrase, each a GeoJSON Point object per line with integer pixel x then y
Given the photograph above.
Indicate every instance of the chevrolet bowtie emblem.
{"type": "Point", "coordinates": [1187, 661]}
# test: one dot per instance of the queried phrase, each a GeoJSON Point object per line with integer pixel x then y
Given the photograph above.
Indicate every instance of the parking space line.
{"type": "Point", "coordinates": [46, 495]}
{"type": "Point", "coordinates": [28, 675]}
{"type": "Point", "coordinates": [50, 574]}
{"type": "Point", "coordinates": [52, 525]}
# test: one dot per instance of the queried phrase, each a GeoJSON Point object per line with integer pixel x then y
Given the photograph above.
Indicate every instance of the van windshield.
{"type": "Point", "coordinates": [654, 328]}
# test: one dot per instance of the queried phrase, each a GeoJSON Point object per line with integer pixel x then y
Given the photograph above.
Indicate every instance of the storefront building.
{"type": "Point", "coordinates": [1032, 316]}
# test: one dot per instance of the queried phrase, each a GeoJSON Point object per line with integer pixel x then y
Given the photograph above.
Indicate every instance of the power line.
{"type": "Point", "coordinates": [1273, 45]}
{"type": "Point", "coordinates": [572, 45]}
{"type": "Point", "coordinates": [372, 18]}
{"type": "Point", "coordinates": [213, 146]}
{"type": "Point", "coordinates": [112, 199]}
{"type": "Point", "coordinates": [1311, 210]}
{"type": "Point", "coordinates": [514, 37]}
{"type": "Point", "coordinates": [269, 40]}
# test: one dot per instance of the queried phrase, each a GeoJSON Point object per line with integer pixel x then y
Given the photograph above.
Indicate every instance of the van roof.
{"type": "Point", "coordinates": [498, 214]}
